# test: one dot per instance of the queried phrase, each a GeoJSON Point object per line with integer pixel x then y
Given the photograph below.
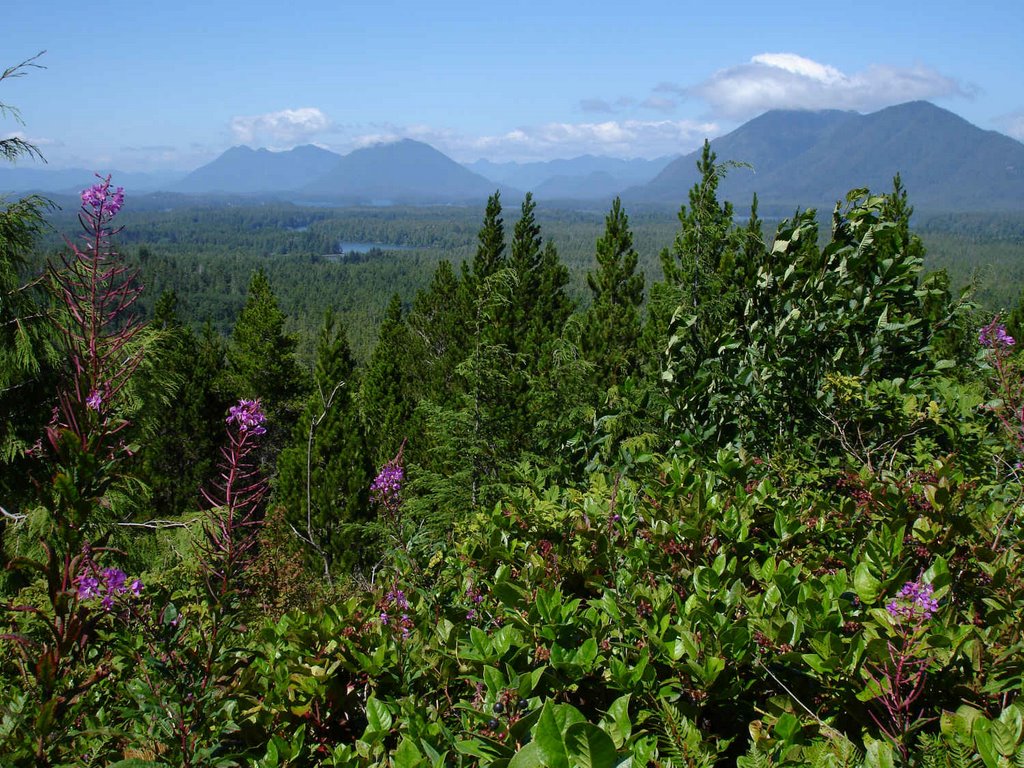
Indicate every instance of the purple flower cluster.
{"type": "Point", "coordinates": [103, 202]}
{"type": "Point", "coordinates": [95, 400]}
{"type": "Point", "coordinates": [994, 335]}
{"type": "Point", "coordinates": [914, 602]}
{"type": "Point", "coordinates": [387, 486]}
{"type": "Point", "coordinates": [396, 601]}
{"type": "Point", "coordinates": [248, 416]}
{"type": "Point", "coordinates": [108, 584]}
{"type": "Point", "coordinates": [475, 597]}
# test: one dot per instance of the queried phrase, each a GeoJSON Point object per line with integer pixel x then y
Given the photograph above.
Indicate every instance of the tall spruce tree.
{"type": "Point", "coordinates": [697, 269]}
{"type": "Point", "coordinates": [437, 327]}
{"type": "Point", "coordinates": [262, 363]}
{"type": "Point", "coordinates": [490, 251]}
{"type": "Point", "coordinates": [531, 323]}
{"type": "Point", "coordinates": [385, 396]}
{"type": "Point", "coordinates": [324, 473]}
{"type": "Point", "coordinates": [612, 327]}
{"type": "Point", "coordinates": [183, 442]}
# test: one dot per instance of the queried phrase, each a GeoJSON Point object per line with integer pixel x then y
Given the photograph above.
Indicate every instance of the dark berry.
{"type": "Point", "coordinates": [523, 705]}
{"type": "Point", "coordinates": [493, 724]}
{"type": "Point", "coordinates": [498, 708]}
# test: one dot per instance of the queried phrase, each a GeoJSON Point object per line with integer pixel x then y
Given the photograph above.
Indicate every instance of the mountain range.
{"type": "Point", "coordinates": [801, 158]}
{"type": "Point", "coordinates": [789, 158]}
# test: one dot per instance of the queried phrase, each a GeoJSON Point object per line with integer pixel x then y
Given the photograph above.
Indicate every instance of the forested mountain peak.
{"type": "Point", "coordinates": [812, 158]}
{"type": "Point", "coordinates": [401, 171]}
{"type": "Point", "coordinates": [244, 170]}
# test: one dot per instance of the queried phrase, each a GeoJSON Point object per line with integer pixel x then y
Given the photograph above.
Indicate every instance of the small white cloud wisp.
{"type": "Point", "coordinates": [618, 138]}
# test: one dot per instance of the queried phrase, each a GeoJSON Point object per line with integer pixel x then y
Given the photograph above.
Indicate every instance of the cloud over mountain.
{"type": "Point", "coordinates": [285, 127]}
{"type": "Point", "coordinates": [790, 81]}
{"type": "Point", "coordinates": [1012, 124]}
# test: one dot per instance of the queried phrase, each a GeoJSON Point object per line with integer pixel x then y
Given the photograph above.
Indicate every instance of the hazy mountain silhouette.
{"type": "Point", "coordinates": [243, 170]}
{"type": "Point", "coordinates": [583, 177]}
{"type": "Point", "coordinates": [802, 158]}
{"type": "Point", "coordinates": [404, 171]}
{"type": "Point", "coordinates": [797, 159]}
{"type": "Point", "coordinates": [16, 179]}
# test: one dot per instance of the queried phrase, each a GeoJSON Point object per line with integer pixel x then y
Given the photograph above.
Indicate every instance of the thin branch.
{"type": "Point", "coordinates": [16, 517]}
{"type": "Point", "coordinates": [162, 524]}
{"type": "Point", "coordinates": [828, 728]}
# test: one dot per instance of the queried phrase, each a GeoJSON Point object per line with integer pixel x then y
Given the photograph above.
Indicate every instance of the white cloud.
{"type": "Point", "coordinates": [790, 81]}
{"type": "Point", "coordinates": [37, 141]}
{"type": "Point", "coordinates": [621, 138]}
{"type": "Point", "coordinates": [1012, 125]}
{"type": "Point", "coordinates": [282, 129]}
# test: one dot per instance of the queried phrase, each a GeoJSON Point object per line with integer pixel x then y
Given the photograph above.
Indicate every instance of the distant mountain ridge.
{"type": "Point", "coordinates": [16, 179]}
{"type": "Point", "coordinates": [243, 170]}
{"type": "Point", "coordinates": [583, 177]}
{"type": "Point", "coordinates": [404, 171]}
{"type": "Point", "coordinates": [796, 159]}
{"type": "Point", "coordinates": [805, 159]}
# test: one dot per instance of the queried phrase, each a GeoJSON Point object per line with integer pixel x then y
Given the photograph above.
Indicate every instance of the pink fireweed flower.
{"type": "Point", "coordinates": [114, 578]}
{"type": "Point", "coordinates": [109, 584]}
{"type": "Point", "coordinates": [248, 416]}
{"type": "Point", "coordinates": [914, 601]}
{"type": "Point", "coordinates": [994, 335]}
{"type": "Point", "coordinates": [387, 486]}
{"type": "Point", "coordinates": [103, 202]}
{"type": "Point", "coordinates": [397, 597]}
{"type": "Point", "coordinates": [88, 587]}
{"type": "Point", "coordinates": [95, 400]}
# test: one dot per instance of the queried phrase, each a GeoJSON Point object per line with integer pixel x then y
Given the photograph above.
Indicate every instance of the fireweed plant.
{"type": "Point", "coordinates": [235, 503]}
{"type": "Point", "coordinates": [900, 678]}
{"type": "Point", "coordinates": [187, 661]}
{"type": "Point", "coordinates": [84, 444]}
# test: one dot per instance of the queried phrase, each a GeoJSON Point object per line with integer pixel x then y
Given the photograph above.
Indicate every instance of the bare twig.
{"type": "Point", "coordinates": [16, 517]}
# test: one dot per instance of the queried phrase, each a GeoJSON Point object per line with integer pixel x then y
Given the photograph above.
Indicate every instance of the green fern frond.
{"type": "Point", "coordinates": [755, 758]}
{"type": "Point", "coordinates": [835, 752]}
{"type": "Point", "coordinates": [680, 741]}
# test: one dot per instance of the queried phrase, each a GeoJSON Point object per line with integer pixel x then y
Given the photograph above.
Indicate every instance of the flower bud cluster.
{"type": "Point", "coordinates": [914, 602]}
{"type": "Point", "coordinates": [395, 602]}
{"type": "Point", "coordinates": [104, 203]}
{"type": "Point", "coordinates": [387, 486]}
{"type": "Point", "coordinates": [248, 417]}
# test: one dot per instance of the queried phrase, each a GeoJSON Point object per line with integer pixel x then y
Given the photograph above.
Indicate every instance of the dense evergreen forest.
{"type": "Point", "coordinates": [544, 491]}
{"type": "Point", "coordinates": [205, 253]}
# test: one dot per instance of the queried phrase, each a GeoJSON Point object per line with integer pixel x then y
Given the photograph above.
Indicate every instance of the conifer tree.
{"type": "Point", "coordinates": [698, 268]}
{"type": "Point", "coordinates": [525, 259]}
{"type": "Point", "coordinates": [183, 442]}
{"type": "Point", "coordinates": [28, 357]}
{"type": "Point", "coordinates": [613, 321]}
{"type": "Point", "coordinates": [437, 326]}
{"type": "Point", "coordinates": [385, 396]}
{"type": "Point", "coordinates": [490, 251]}
{"type": "Point", "coordinates": [262, 362]}
{"type": "Point", "coordinates": [325, 472]}
{"type": "Point", "coordinates": [529, 325]}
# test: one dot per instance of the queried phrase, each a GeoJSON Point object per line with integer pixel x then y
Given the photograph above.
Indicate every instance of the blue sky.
{"type": "Point", "coordinates": [144, 85]}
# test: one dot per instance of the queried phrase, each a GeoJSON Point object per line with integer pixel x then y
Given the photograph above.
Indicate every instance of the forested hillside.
{"type": "Point", "coordinates": [206, 253]}
{"type": "Point", "coordinates": [590, 491]}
